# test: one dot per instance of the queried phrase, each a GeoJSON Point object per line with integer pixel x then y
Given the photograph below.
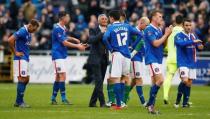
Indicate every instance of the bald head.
{"type": "Point", "coordinates": [143, 22]}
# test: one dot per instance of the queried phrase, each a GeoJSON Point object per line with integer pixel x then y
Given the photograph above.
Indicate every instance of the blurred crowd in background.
{"type": "Point", "coordinates": [16, 13]}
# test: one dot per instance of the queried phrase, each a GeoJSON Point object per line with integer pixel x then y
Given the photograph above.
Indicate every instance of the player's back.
{"type": "Point", "coordinates": [59, 51]}
{"type": "Point", "coordinates": [22, 43]}
{"type": "Point", "coordinates": [119, 37]}
{"type": "Point", "coordinates": [152, 54]}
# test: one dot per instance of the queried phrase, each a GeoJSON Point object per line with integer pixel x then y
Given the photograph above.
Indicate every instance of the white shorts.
{"type": "Point", "coordinates": [59, 66]}
{"type": "Point", "coordinates": [120, 65]}
{"type": "Point", "coordinates": [136, 69]}
{"type": "Point", "coordinates": [187, 72]}
{"type": "Point", "coordinates": [155, 69]}
{"type": "Point", "coordinates": [21, 68]}
{"type": "Point", "coordinates": [107, 75]}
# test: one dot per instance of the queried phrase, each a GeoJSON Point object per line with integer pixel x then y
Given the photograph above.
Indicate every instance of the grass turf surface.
{"type": "Point", "coordinates": [38, 96]}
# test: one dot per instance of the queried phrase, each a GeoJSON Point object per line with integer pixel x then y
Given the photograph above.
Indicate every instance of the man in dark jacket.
{"type": "Point", "coordinates": [98, 59]}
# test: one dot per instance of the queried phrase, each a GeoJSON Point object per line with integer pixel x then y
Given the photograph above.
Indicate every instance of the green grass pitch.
{"type": "Point", "coordinates": [38, 96]}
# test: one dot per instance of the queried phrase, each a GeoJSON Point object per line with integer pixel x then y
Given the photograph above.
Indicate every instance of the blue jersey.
{"type": "Point", "coordinates": [22, 42]}
{"type": "Point", "coordinates": [59, 51]}
{"type": "Point", "coordinates": [136, 39]}
{"type": "Point", "coordinates": [153, 54]}
{"type": "Point", "coordinates": [186, 50]}
{"type": "Point", "coordinates": [117, 37]}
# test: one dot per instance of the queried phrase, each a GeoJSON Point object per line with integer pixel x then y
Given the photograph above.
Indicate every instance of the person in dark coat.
{"type": "Point", "coordinates": [98, 60]}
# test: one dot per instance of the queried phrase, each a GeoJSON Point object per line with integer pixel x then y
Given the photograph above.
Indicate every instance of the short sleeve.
{"type": "Point", "coordinates": [60, 35]}
{"type": "Point", "coordinates": [150, 35]}
{"type": "Point", "coordinates": [18, 34]}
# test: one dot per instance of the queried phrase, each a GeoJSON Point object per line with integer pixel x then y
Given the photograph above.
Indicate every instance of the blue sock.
{"type": "Point", "coordinates": [180, 92]}
{"type": "Point", "coordinates": [122, 91]}
{"type": "Point", "coordinates": [140, 94]}
{"type": "Point", "coordinates": [153, 92]}
{"type": "Point", "coordinates": [20, 92]}
{"type": "Point", "coordinates": [63, 90]}
{"type": "Point", "coordinates": [117, 91]}
{"type": "Point", "coordinates": [55, 90]}
{"type": "Point", "coordinates": [186, 95]}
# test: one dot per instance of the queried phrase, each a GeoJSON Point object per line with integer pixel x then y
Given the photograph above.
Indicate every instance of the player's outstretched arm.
{"type": "Point", "coordinates": [181, 42]}
{"type": "Point", "coordinates": [11, 41]}
{"type": "Point", "coordinates": [72, 45]}
{"type": "Point", "coordinates": [70, 39]}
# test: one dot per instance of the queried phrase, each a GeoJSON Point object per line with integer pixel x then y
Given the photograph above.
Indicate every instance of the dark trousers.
{"type": "Point", "coordinates": [99, 71]}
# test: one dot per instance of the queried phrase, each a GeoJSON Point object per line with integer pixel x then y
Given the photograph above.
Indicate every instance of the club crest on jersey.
{"type": "Point", "coordinates": [182, 73]}
{"type": "Point", "coordinates": [59, 35]}
{"type": "Point", "coordinates": [23, 72]}
{"type": "Point", "coordinates": [156, 33]}
{"type": "Point", "coordinates": [28, 43]}
{"type": "Point", "coordinates": [58, 69]}
{"type": "Point", "coordinates": [157, 70]}
{"type": "Point", "coordinates": [137, 73]}
{"type": "Point", "coordinates": [149, 33]}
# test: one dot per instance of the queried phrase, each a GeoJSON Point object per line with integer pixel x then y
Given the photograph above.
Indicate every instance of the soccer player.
{"type": "Point", "coordinates": [154, 39]}
{"type": "Point", "coordinates": [186, 45]}
{"type": "Point", "coordinates": [125, 81]}
{"type": "Point", "coordinates": [19, 43]}
{"type": "Point", "coordinates": [137, 60]}
{"type": "Point", "coordinates": [171, 59]}
{"type": "Point", "coordinates": [60, 43]}
{"type": "Point", "coordinates": [116, 41]}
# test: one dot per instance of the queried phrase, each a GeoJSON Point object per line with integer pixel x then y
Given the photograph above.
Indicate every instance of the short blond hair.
{"type": "Point", "coordinates": [145, 20]}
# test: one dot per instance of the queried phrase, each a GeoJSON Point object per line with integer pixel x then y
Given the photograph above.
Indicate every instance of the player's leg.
{"type": "Point", "coordinates": [55, 85]}
{"type": "Point", "coordinates": [137, 72]}
{"type": "Point", "coordinates": [184, 75]}
{"type": "Point", "coordinates": [111, 95]}
{"type": "Point", "coordinates": [192, 75]}
{"type": "Point", "coordinates": [110, 87]}
{"type": "Point", "coordinates": [126, 78]}
{"type": "Point", "coordinates": [170, 71]}
{"type": "Point", "coordinates": [157, 78]}
{"type": "Point", "coordinates": [139, 90]}
{"type": "Point", "coordinates": [179, 94]}
{"type": "Point", "coordinates": [127, 88]}
{"type": "Point", "coordinates": [116, 73]}
{"type": "Point", "coordinates": [61, 71]}
{"type": "Point", "coordinates": [21, 72]}
{"type": "Point", "coordinates": [122, 84]}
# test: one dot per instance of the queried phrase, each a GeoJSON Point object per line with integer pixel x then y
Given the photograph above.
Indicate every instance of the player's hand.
{"type": "Point", "coordinates": [81, 47]}
{"type": "Point", "coordinates": [197, 41]}
{"type": "Point", "coordinates": [168, 30]}
{"type": "Point", "coordinates": [19, 54]}
{"type": "Point", "coordinates": [200, 47]}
